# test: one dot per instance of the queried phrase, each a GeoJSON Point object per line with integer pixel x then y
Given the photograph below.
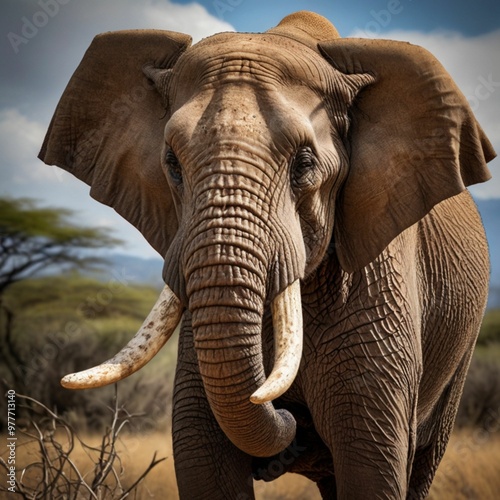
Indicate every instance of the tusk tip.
{"type": "Point", "coordinates": [92, 378]}
{"type": "Point", "coordinates": [259, 397]}
{"type": "Point", "coordinates": [72, 381]}
{"type": "Point", "coordinates": [154, 332]}
{"type": "Point", "coordinates": [257, 400]}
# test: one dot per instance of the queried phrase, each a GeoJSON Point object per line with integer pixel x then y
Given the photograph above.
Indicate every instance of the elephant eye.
{"type": "Point", "coordinates": [174, 167]}
{"type": "Point", "coordinates": [303, 168]}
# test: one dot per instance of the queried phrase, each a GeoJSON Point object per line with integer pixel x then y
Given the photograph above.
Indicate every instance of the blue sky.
{"type": "Point", "coordinates": [465, 36]}
{"type": "Point", "coordinates": [467, 17]}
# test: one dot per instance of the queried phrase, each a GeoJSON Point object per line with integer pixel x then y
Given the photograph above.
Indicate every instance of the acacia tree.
{"type": "Point", "coordinates": [35, 240]}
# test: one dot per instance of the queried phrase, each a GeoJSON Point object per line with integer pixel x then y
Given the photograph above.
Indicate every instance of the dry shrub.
{"type": "Point", "coordinates": [54, 462]}
{"type": "Point", "coordinates": [480, 403]}
{"type": "Point", "coordinates": [470, 469]}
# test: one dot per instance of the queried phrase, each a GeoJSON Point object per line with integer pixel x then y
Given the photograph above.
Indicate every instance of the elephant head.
{"type": "Point", "coordinates": [244, 160]}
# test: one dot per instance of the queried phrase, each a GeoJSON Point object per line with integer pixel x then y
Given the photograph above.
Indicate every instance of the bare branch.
{"type": "Point", "coordinates": [56, 473]}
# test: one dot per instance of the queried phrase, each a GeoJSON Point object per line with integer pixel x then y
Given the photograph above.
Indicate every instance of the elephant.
{"type": "Point", "coordinates": [322, 253]}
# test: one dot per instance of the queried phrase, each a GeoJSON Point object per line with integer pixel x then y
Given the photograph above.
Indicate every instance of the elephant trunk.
{"type": "Point", "coordinates": [230, 361]}
{"type": "Point", "coordinates": [227, 292]}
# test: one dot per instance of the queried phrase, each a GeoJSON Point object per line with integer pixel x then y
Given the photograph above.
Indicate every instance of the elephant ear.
{"type": "Point", "coordinates": [414, 142]}
{"type": "Point", "coordinates": [108, 127]}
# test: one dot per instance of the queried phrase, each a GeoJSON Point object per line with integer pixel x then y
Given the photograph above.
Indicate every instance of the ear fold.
{"type": "Point", "coordinates": [107, 129]}
{"type": "Point", "coordinates": [414, 143]}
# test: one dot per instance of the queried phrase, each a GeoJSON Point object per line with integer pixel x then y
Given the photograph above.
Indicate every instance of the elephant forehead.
{"type": "Point", "coordinates": [236, 117]}
{"type": "Point", "coordinates": [230, 108]}
{"type": "Point", "coordinates": [234, 109]}
{"type": "Point", "coordinates": [258, 58]}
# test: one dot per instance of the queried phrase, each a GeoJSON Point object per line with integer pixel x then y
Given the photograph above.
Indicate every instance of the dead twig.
{"type": "Point", "coordinates": [54, 474]}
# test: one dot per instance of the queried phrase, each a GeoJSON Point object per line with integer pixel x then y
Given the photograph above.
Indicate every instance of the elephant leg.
{"type": "Point", "coordinates": [207, 464]}
{"type": "Point", "coordinates": [437, 429]}
{"type": "Point", "coordinates": [368, 420]}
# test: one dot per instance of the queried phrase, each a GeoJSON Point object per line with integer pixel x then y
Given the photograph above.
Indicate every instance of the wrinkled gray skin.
{"type": "Point", "coordinates": [291, 155]}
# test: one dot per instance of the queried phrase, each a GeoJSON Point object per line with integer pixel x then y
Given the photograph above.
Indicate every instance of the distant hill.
{"type": "Point", "coordinates": [131, 270]}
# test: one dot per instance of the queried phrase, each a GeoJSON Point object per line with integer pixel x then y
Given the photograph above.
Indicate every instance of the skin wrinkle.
{"type": "Point", "coordinates": [248, 268]}
{"type": "Point", "coordinates": [224, 207]}
{"type": "Point", "coordinates": [193, 259]}
{"type": "Point", "coordinates": [240, 64]}
{"type": "Point", "coordinates": [232, 229]}
{"type": "Point", "coordinates": [218, 266]}
{"type": "Point", "coordinates": [238, 297]}
{"type": "Point", "coordinates": [439, 303]}
{"type": "Point", "coordinates": [230, 152]}
{"type": "Point", "coordinates": [278, 71]}
{"type": "Point", "coordinates": [247, 248]}
{"type": "Point", "coordinates": [251, 345]}
{"type": "Point", "coordinates": [241, 196]}
{"type": "Point", "coordinates": [241, 376]}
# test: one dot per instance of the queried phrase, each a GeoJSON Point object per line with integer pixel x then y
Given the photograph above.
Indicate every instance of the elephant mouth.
{"type": "Point", "coordinates": [163, 319]}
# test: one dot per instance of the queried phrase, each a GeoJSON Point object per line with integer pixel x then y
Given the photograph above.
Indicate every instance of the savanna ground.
{"type": "Point", "coordinates": [470, 469]}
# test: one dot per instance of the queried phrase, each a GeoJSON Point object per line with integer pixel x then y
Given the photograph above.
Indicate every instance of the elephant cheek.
{"type": "Point", "coordinates": [317, 232]}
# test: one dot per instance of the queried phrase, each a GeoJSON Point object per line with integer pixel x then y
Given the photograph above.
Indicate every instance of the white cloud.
{"type": "Point", "coordinates": [191, 18]}
{"type": "Point", "coordinates": [109, 15]}
{"type": "Point", "coordinates": [474, 64]}
{"type": "Point", "coordinates": [20, 140]}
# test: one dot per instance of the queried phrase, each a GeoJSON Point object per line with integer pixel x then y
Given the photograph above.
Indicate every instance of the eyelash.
{"type": "Point", "coordinates": [174, 168]}
{"type": "Point", "coordinates": [303, 168]}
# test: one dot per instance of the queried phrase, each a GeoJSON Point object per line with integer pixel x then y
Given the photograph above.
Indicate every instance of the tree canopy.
{"type": "Point", "coordinates": [34, 239]}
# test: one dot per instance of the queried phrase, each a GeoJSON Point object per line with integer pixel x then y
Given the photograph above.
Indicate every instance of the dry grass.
{"type": "Point", "coordinates": [470, 469]}
{"type": "Point", "coordinates": [289, 486]}
{"type": "Point", "coordinates": [135, 453]}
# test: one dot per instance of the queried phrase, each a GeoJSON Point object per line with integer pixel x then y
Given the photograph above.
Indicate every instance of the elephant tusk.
{"type": "Point", "coordinates": [287, 323]}
{"type": "Point", "coordinates": [151, 337]}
